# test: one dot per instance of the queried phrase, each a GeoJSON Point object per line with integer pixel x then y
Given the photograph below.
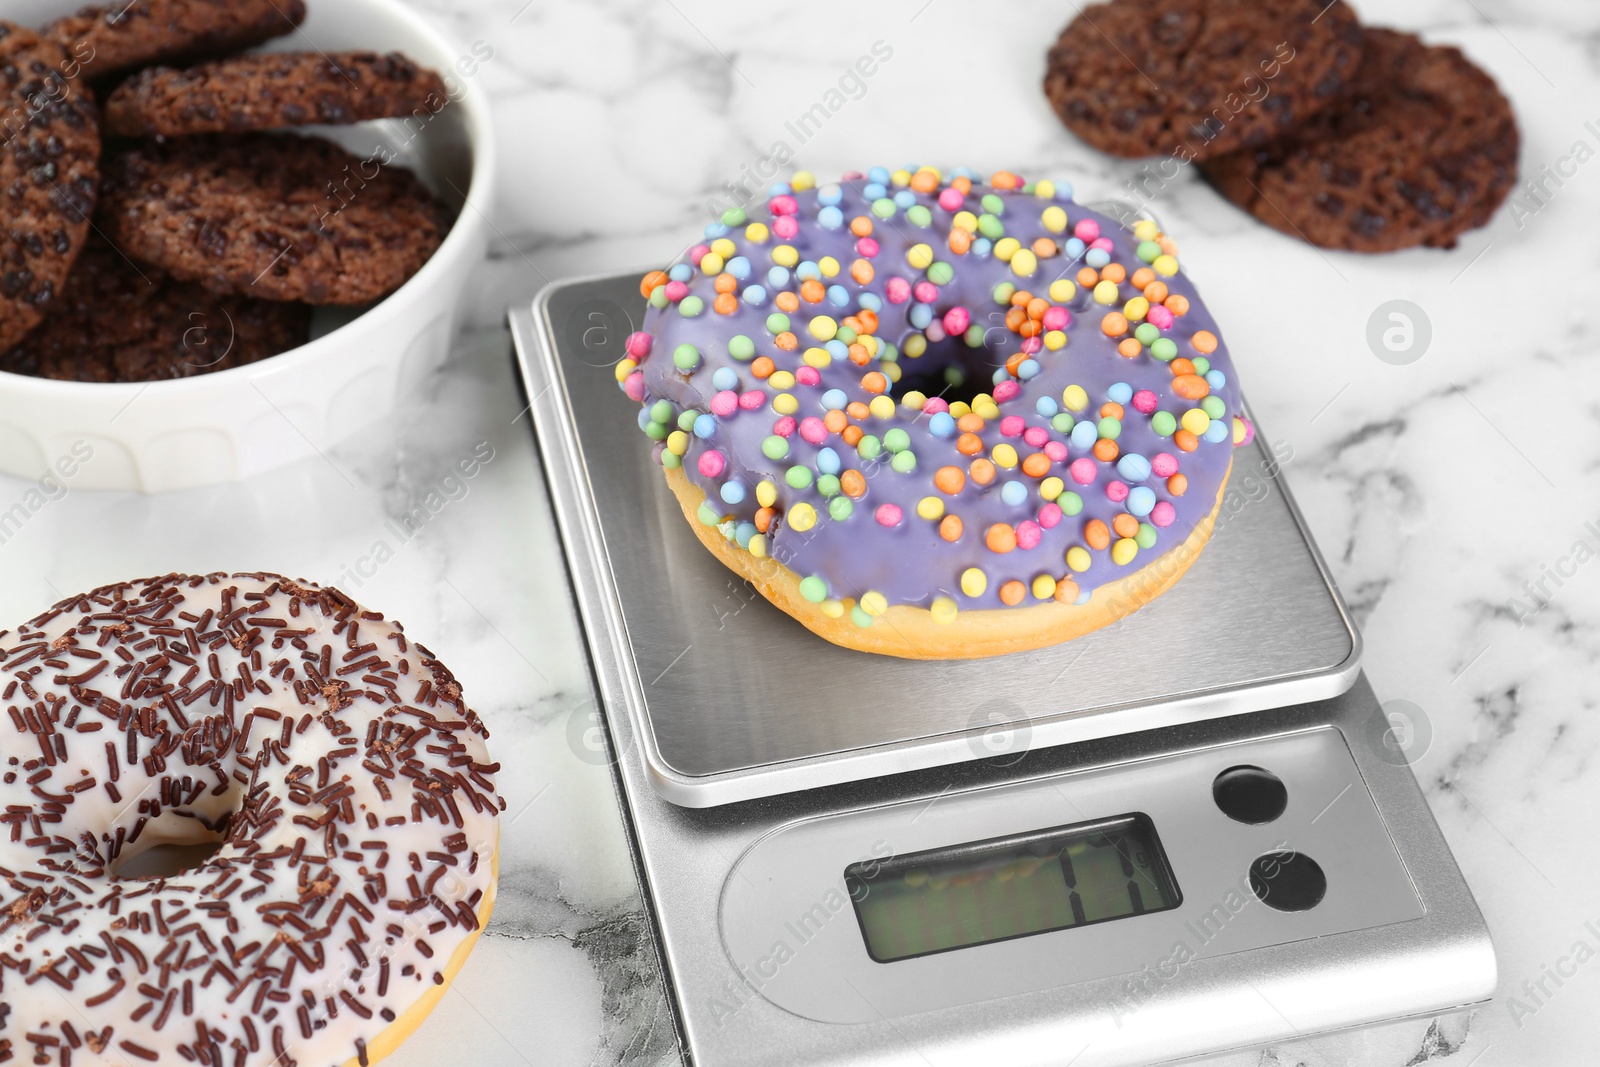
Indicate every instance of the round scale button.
{"type": "Point", "coordinates": [1250, 794]}
{"type": "Point", "coordinates": [1288, 881]}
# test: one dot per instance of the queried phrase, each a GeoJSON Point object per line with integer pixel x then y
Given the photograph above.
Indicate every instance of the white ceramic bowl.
{"type": "Point", "coordinates": [232, 424]}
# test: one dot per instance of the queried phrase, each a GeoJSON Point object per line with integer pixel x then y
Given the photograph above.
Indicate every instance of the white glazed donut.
{"type": "Point", "coordinates": [347, 783]}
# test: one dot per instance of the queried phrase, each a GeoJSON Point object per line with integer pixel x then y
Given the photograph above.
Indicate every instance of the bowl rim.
{"type": "Point", "coordinates": [480, 136]}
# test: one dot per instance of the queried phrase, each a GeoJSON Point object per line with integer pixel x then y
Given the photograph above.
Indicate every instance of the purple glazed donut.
{"type": "Point", "coordinates": [937, 419]}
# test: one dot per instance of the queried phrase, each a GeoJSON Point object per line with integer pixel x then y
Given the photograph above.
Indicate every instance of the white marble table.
{"type": "Point", "coordinates": [1445, 492]}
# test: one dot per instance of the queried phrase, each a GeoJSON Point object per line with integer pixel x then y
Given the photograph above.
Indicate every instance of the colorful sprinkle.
{"type": "Point", "coordinates": [974, 582]}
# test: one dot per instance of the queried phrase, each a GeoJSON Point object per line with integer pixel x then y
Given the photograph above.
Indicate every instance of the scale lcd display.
{"type": "Point", "coordinates": [1007, 887]}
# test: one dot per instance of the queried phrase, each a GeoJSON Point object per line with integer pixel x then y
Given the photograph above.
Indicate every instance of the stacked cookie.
{"type": "Point", "coordinates": [179, 229]}
{"type": "Point", "coordinates": [1347, 137]}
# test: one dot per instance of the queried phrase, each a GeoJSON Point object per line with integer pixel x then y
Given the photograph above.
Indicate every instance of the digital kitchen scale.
{"type": "Point", "coordinates": [1186, 833]}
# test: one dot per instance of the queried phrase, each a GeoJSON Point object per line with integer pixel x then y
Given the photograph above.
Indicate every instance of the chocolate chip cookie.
{"type": "Point", "coordinates": [1197, 78]}
{"type": "Point", "coordinates": [1421, 149]}
{"type": "Point", "coordinates": [271, 91]}
{"type": "Point", "coordinates": [121, 36]}
{"type": "Point", "coordinates": [49, 176]}
{"type": "Point", "coordinates": [118, 321]}
{"type": "Point", "coordinates": [276, 216]}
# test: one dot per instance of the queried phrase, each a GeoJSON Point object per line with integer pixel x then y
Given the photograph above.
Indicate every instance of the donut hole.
{"type": "Point", "coordinates": [951, 370]}
{"type": "Point", "coordinates": [167, 860]}
{"type": "Point", "coordinates": [174, 841]}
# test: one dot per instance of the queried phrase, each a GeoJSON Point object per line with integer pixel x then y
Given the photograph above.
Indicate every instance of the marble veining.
{"type": "Point", "coordinates": [1450, 494]}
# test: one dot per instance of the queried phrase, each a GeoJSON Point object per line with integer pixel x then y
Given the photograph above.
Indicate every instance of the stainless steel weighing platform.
{"type": "Point", "coordinates": [834, 879]}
